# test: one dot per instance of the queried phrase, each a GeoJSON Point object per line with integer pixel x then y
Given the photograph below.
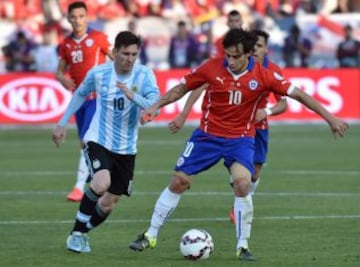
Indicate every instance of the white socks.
{"type": "Point", "coordinates": [82, 173]}
{"type": "Point", "coordinates": [253, 186]}
{"type": "Point", "coordinates": [165, 205]}
{"type": "Point", "coordinates": [244, 210]}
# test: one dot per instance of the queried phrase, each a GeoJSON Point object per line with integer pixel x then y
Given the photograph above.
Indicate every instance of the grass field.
{"type": "Point", "coordinates": [307, 208]}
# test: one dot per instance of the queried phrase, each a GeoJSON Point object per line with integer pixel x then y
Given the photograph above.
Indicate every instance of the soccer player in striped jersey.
{"type": "Point", "coordinates": [123, 89]}
{"type": "Point", "coordinates": [78, 53]}
{"type": "Point", "coordinates": [226, 131]}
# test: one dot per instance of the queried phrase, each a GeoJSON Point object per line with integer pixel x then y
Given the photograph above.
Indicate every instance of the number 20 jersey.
{"type": "Point", "coordinates": [83, 54]}
{"type": "Point", "coordinates": [231, 100]}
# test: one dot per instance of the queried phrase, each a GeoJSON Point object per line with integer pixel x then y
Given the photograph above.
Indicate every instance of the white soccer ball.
{"type": "Point", "coordinates": [196, 244]}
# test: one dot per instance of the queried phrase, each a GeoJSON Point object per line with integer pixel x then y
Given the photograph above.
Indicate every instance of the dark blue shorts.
{"type": "Point", "coordinates": [84, 116]}
{"type": "Point", "coordinates": [203, 151]}
{"type": "Point", "coordinates": [261, 146]}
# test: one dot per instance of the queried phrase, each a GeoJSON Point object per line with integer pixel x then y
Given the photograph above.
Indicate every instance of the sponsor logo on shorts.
{"type": "Point", "coordinates": [96, 164]}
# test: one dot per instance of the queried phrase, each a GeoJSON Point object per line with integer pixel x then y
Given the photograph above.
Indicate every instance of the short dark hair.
{"type": "Point", "coordinates": [75, 5]}
{"type": "Point", "coordinates": [234, 37]}
{"type": "Point", "coordinates": [181, 23]}
{"type": "Point", "coordinates": [261, 33]}
{"type": "Point", "coordinates": [126, 38]}
{"type": "Point", "coordinates": [20, 35]}
{"type": "Point", "coordinates": [234, 12]}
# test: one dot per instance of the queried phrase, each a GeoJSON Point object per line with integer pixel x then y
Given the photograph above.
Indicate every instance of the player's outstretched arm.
{"type": "Point", "coordinates": [337, 126]}
{"type": "Point", "coordinates": [175, 93]}
{"type": "Point", "coordinates": [179, 121]}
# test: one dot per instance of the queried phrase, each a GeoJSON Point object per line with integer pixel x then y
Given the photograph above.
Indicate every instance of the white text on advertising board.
{"type": "Point", "coordinates": [33, 99]}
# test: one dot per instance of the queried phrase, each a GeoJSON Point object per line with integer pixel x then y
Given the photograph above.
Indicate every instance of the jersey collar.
{"type": "Point", "coordinates": [251, 64]}
{"type": "Point", "coordinates": [266, 62]}
{"type": "Point", "coordinates": [88, 30]}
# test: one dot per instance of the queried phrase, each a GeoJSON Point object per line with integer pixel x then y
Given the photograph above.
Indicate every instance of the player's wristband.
{"type": "Point", "coordinates": [268, 111]}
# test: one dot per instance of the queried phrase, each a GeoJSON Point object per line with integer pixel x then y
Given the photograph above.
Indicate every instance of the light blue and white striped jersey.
{"type": "Point", "coordinates": [116, 119]}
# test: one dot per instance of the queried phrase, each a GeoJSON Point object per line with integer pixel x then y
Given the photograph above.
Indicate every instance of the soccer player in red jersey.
{"type": "Point", "coordinates": [233, 21]}
{"type": "Point", "coordinates": [226, 132]}
{"type": "Point", "coordinates": [78, 53]}
{"type": "Point", "coordinates": [262, 133]}
{"type": "Point", "coordinates": [262, 126]}
{"type": "Point", "coordinates": [261, 137]}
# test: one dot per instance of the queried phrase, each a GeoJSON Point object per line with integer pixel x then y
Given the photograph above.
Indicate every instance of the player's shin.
{"type": "Point", "coordinates": [243, 208]}
{"type": "Point", "coordinates": [165, 205]}
{"type": "Point", "coordinates": [86, 210]}
{"type": "Point", "coordinates": [97, 218]}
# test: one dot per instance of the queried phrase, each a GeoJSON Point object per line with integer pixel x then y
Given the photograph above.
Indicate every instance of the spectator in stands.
{"type": "Point", "coordinates": [155, 8]}
{"type": "Point", "coordinates": [348, 51]}
{"type": "Point", "coordinates": [233, 21]}
{"type": "Point", "coordinates": [141, 8]}
{"type": "Point", "coordinates": [342, 7]}
{"type": "Point", "coordinates": [297, 49]}
{"type": "Point", "coordinates": [306, 7]}
{"type": "Point", "coordinates": [132, 26]}
{"type": "Point", "coordinates": [183, 48]}
{"type": "Point", "coordinates": [45, 55]}
{"type": "Point", "coordinates": [112, 9]}
{"type": "Point", "coordinates": [18, 54]}
{"type": "Point", "coordinates": [174, 10]}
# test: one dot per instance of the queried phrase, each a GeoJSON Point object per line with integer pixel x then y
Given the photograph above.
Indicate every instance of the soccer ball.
{"type": "Point", "coordinates": [196, 244]}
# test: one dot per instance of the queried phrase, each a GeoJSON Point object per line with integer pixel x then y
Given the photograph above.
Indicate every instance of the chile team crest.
{"type": "Point", "coordinates": [253, 84]}
{"type": "Point", "coordinates": [89, 42]}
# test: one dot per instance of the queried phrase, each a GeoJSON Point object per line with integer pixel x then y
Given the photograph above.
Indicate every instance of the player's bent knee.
{"type": "Point", "coordinates": [241, 187]}
{"type": "Point", "coordinates": [101, 182]}
{"type": "Point", "coordinates": [179, 183]}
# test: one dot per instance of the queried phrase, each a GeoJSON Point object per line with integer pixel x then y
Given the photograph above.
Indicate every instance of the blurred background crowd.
{"type": "Point", "coordinates": [181, 34]}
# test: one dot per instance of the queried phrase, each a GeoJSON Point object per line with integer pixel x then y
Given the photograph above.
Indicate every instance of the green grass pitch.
{"type": "Point", "coordinates": [307, 207]}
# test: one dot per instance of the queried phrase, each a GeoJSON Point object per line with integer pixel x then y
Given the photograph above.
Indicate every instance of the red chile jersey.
{"type": "Point", "coordinates": [264, 100]}
{"type": "Point", "coordinates": [81, 55]}
{"type": "Point", "coordinates": [231, 100]}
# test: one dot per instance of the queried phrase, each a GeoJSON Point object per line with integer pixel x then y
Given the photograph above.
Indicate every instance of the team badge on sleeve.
{"type": "Point", "coordinates": [253, 84]}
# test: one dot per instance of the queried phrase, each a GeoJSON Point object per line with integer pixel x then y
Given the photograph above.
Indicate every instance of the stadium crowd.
{"type": "Point", "coordinates": [42, 25]}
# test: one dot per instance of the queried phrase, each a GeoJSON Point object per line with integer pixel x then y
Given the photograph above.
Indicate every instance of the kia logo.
{"type": "Point", "coordinates": [33, 99]}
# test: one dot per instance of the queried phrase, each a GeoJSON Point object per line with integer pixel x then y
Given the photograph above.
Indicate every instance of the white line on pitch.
{"type": "Point", "coordinates": [169, 172]}
{"type": "Point", "coordinates": [192, 193]}
{"type": "Point", "coordinates": [180, 220]}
